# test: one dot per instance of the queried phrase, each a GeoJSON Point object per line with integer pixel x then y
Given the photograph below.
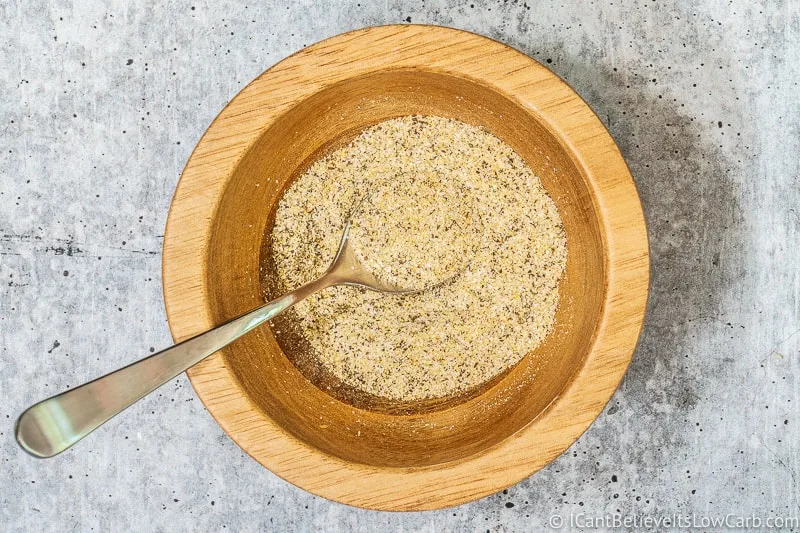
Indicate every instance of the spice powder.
{"type": "Point", "coordinates": [438, 200]}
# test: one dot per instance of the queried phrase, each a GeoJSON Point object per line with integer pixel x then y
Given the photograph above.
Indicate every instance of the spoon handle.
{"type": "Point", "coordinates": [53, 425]}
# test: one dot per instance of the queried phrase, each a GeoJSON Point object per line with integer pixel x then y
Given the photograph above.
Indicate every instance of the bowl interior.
{"type": "Point", "coordinates": [275, 372]}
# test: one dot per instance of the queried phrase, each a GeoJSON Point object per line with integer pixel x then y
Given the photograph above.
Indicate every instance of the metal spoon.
{"type": "Point", "coordinates": [53, 425]}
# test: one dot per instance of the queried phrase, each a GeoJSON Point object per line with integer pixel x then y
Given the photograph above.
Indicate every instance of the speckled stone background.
{"type": "Point", "coordinates": [101, 103]}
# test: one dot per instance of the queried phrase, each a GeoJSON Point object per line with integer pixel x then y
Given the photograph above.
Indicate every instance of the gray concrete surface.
{"type": "Point", "coordinates": [100, 106]}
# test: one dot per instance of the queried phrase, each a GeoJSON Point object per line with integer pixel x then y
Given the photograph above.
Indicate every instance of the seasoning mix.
{"type": "Point", "coordinates": [439, 205]}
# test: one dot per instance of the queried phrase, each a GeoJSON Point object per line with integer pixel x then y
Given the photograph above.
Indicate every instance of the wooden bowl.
{"type": "Point", "coordinates": [220, 222]}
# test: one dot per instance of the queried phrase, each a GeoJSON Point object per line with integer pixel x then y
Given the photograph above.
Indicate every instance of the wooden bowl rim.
{"type": "Point", "coordinates": [458, 53]}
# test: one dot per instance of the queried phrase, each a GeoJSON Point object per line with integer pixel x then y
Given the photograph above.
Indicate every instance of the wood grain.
{"type": "Point", "coordinates": [219, 226]}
